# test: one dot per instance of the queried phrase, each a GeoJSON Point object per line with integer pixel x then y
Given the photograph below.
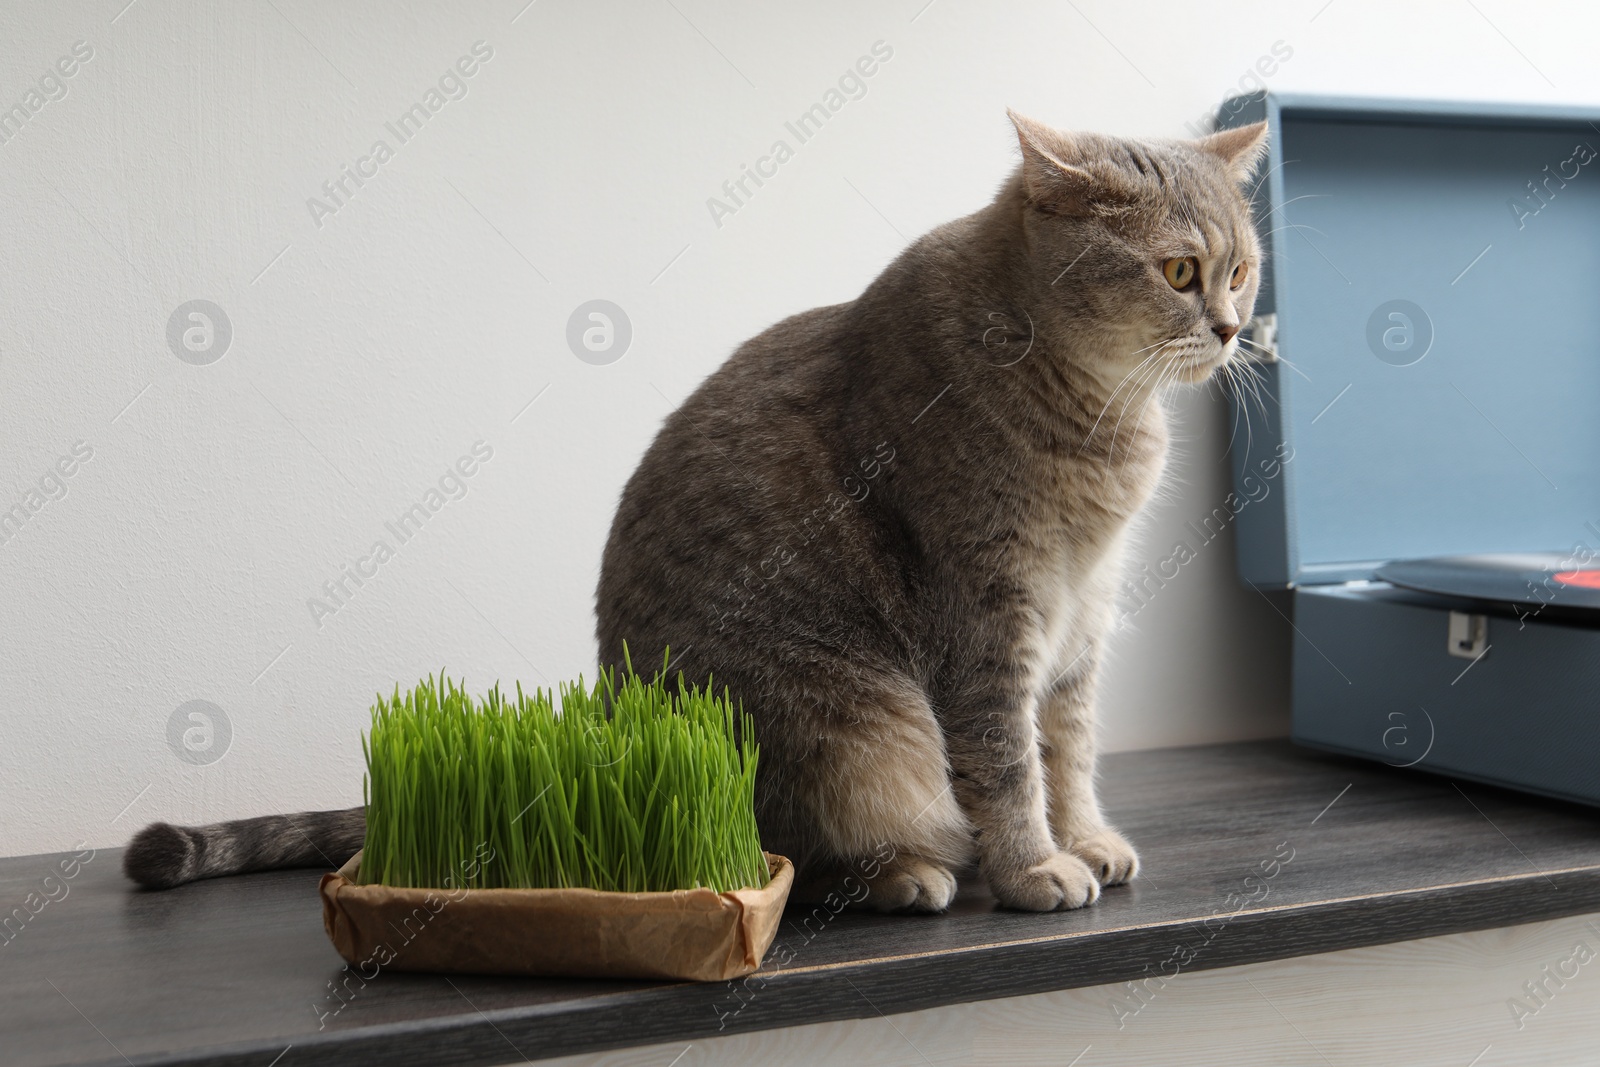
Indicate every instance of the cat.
{"type": "Point", "coordinates": [893, 529]}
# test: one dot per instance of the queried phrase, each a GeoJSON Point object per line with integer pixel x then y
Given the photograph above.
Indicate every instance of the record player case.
{"type": "Point", "coordinates": [1429, 309]}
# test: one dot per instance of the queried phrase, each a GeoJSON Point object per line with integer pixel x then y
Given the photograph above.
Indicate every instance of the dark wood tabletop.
{"type": "Point", "coordinates": [1252, 852]}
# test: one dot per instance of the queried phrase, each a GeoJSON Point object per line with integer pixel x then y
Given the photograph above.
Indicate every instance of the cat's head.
{"type": "Point", "coordinates": [1147, 248]}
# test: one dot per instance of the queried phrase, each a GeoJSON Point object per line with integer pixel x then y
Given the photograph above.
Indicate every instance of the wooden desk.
{"type": "Point", "coordinates": [237, 970]}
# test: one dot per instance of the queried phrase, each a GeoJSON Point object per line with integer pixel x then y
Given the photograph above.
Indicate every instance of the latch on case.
{"type": "Point", "coordinates": [1469, 635]}
{"type": "Point", "coordinates": [1264, 335]}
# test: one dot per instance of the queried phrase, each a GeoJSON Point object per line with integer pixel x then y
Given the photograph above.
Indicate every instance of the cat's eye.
{"type": "Point", "coordinates": [1240, 273]}
{"type": "Point", "coordinates": [1181, 273]}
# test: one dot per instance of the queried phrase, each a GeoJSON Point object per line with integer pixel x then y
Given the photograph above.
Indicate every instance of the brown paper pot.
{"type": "Point", "coordinates": [694, 933]}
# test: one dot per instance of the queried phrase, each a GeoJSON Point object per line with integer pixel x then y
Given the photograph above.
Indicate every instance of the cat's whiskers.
{"type": "Point", "coordinates": [1254, 189]}
{"type": "Point", "coordinates": [1160, 347]}
{"type": "Point", "coordinates": [1226, 380]}
{"type": "Point", "coordinates": [1157, 372]}
{"type": "Point", "coordinates": [1163, 372]}
{"type": "Point", "coordinates": [1252, 347]}
{"type": "Point", "coordinates": [1246, 381]}
{"type": "Point", "coordinates": [1297, 226]}
{"type": "Point", "coordinates": [1252, 381]}
{"type": "Point", "coordinates": [1247, 376]}
{"type": "Point", "coordinates": [1112, 398]}
{"type": "Point", "coordinates": [1252, 375]}
{"type": "Point", "coordinates": [1257, 348]}
{"type": "Point", "coordinates": [1269, 355]}
{"type": "Point", "coordinates": [1169, 378]}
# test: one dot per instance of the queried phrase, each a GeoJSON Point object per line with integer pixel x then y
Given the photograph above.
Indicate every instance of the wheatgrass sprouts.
{"type": "Point", "coordinates": [634, 785]}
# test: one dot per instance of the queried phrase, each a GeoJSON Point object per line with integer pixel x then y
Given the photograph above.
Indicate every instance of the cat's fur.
{"type": "Point", "coordinates": [162, 855]}
{"type": "Point", "coordinates": [893, 529]}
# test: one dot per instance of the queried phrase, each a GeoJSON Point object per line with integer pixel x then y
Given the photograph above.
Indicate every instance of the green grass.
{"type": "Point", "coordinates": [659, 795]}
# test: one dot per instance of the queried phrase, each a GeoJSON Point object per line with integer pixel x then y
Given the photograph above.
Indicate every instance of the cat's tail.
{"type": "Point", "coordinates": [162, 855]}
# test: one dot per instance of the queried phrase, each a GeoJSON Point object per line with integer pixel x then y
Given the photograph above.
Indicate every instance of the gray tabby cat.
{"type": "Point", "coordinates": [893, 528]}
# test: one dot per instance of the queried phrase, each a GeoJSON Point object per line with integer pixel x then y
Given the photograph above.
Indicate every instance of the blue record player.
{"type": "Point", "coordinates": [1423, 459]}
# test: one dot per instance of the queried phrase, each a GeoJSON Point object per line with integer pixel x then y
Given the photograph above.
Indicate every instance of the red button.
{"type": "Point", "coordinates": [1583, 579]}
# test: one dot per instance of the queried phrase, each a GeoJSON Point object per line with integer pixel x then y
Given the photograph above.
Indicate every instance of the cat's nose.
{"type": "Point", "coordinates": [1225, 332]}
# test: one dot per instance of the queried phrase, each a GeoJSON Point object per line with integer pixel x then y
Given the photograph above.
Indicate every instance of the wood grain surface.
{"type": "Point", "coordinates": [1253, 852]}
{"type": "Point", "coordinates": [1436, 1002]}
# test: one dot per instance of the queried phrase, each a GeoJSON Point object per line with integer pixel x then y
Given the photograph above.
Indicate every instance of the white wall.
{"type": "Point", "coordinates": [373, 346]}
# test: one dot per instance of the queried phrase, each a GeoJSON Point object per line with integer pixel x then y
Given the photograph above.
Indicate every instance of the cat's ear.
{"type": "Point", "coordinates": [1240, 148]}
{"type": "Point", "coordinates": [1053, 180]}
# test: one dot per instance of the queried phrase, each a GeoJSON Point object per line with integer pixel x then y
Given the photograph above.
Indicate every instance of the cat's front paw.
{"type": "Point", "coordinates": [911, 883]}
{"type": "Point", "coordinates": [1059, 883]}
{"type": "Point", "coordinates": [1107, 854]}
